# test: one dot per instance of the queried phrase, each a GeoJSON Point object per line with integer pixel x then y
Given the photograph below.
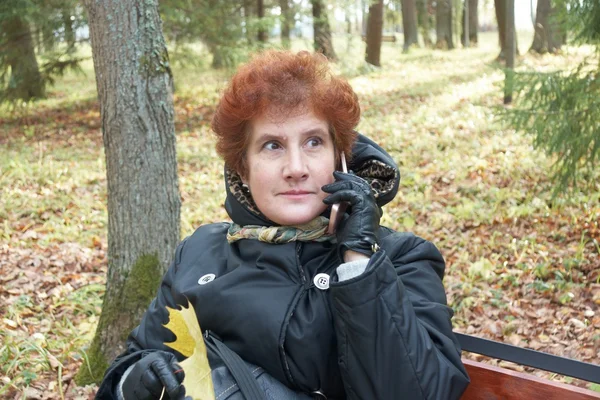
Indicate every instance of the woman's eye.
{"type": "Point", "coordinates": [314, 142]}
{"type": "Point", "coordinates": [271, 146]}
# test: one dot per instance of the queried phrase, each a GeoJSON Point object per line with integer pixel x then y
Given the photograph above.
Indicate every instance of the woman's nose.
{"type": "Point", "coordinates": [296, 166]}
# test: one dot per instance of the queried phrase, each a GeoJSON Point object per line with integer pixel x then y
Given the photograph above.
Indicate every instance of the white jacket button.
{"type": "Point", "coordinates": [206, 279]}
{"type": "Point", "coordinates": [321, 281]}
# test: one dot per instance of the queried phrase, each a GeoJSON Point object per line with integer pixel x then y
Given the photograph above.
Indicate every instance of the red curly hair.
{"type": "Point", "coordinates": [283, 82]}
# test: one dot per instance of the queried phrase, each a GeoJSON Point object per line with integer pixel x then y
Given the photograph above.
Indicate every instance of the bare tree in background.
{"type": "Point", "coordinates": [510, 50]}
{"type": "Point", "coordinates": [322, 32]}
{"type": "Point", "coordinates": [549, 35]}
{"type": "Point", "coordinates": [287, 20]}
{"type": "Point", "coordinates": [69, 33]}
{"type": "Point", "coordinates": [409, 23]}
{"type": "Point", "coordinates": [262, 32]}
{"type": "Point", "coordinates": [249, 9]}
{"type": "Point", "coordinates": [374, 33]}
{"type": "Point", "coordinates": [443, 24]}
{"type": "Point", "coordinates": [500, 8]}
{"type": "Point", "coordinates": [424, 21]}
{"type": "Point", "coordinates": [18, 53]}
{"type": "Point", "coordinates": [473, 22]}
{"type": "Point", "coordinates": [134, 85]}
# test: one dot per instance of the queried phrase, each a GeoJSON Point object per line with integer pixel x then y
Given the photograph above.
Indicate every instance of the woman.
{"type": "Point", "coordinates": [360, 314]}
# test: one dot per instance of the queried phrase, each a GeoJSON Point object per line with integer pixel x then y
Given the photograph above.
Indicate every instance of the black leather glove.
{"type": "Point", "coordinates": [151, 374]}
{"type": "Point", "coordinates": [358, 231]}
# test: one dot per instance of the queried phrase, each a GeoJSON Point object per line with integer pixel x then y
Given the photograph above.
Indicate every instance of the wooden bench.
{"type": "Point", "coordinates": [490, 383]}
{"type": "Point", "coordinates": [384, 38]}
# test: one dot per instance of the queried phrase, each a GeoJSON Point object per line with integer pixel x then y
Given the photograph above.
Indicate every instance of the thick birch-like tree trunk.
{"type": "Point", "coordinates": [473, 19]}
{"type": "Point", "coordinates": [549, 37]}
{"type": "Point", "coordinates": [443, 24]}
{"type": "Point", "coordinates": [134, 85]}
{"type": "Point", "coordinates": [409, 23]}
{"type": "Point", "coordinates": [322, 32]}
{"type": "Point", "coordinates": [16, 42]}
{"type": "Point", "coordinates": [374, 33]}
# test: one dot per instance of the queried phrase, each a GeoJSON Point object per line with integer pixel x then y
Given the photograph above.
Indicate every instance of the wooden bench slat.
{"type": "Point", "coordinates": [384, 38]}
{"type": "Point", "coordinates": [489, 383]}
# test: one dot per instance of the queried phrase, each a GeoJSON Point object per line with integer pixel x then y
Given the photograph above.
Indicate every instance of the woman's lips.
{"type": "Point", "coordinates": [296, 194]}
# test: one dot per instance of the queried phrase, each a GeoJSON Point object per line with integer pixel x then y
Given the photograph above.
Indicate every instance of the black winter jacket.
{"type": "Point", "coordinates": [385, 334]}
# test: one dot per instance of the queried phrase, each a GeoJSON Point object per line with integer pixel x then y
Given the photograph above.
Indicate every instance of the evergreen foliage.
{"type": "Point", "coordinates": [562, 108]}
{"type": "Point", "coordinates": [228, 28]}
{"type": "Point", "coordinates": [583, 16]}
{"type": "Point", "coordinates": [37, 43]}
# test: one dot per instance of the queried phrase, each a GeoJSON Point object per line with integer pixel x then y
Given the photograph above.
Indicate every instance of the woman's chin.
{"type": "Point", "coordinates": [295, 217]}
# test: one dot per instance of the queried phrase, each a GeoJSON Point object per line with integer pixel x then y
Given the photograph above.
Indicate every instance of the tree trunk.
{"type": "Point", "coordinates": [443, 25]}
{"type": "Point", "coordinates": [548, 37]}
{"type": "Point", "coordinates": [500, 7]}
{"type": "Point", "coordinates": [219, 61]}
{"type": "Point", "coordinates": [473, 20]}
{"type": "Point", "coordinates": [322, 33]}
{"type": "Point", "coordinates": [68, 27]}
{"type": "Point", "coordinates": [409, 23]}
{"type": "Point", "coordinates": [348, 23]}
{"type": "Point", "coordinates": [364, 16]}
{"type": "Point", "coordinates": [510, 50]}
{"type": "Point", "coordinates": [286, 22]}
{"type": "Point", "coordinates": [38, 39]}
{"type": "Point", "coordinates": [358, 17]}
{"type": "Point", "coordinates": [424, 21]}
{"type": "Point", "coordinates": [25, 81]}
{"type": "Point", "coordinates": [374, 33]}
{"type": "Point", "coordinates": [134, 85]}
{"type": "Point", "coordinates": [262, 32]}
{"type": "Point", "coordinates": [248, 7]}
{"type": "Point", "coordinates": [48, 39]}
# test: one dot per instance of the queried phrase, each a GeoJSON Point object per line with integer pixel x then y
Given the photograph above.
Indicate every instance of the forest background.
{"type": "Point", "coordinates": [523, 259]}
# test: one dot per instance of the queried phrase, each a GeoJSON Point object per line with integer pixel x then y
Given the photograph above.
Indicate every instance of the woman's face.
{"type": "Point", "coordinates": [288, 161]}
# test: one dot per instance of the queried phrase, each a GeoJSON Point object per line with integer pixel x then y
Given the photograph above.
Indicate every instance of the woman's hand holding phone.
{"type": "Point", "coordinates": [359, 231]}
{"type": "Point", "coordinates": [338, 209]}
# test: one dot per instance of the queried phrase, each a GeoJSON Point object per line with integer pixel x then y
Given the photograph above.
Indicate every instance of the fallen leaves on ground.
{"type": "Point", "coordinates": [50, 300]}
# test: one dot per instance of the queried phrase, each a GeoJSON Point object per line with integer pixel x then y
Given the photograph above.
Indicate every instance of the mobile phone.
{"type": "Point", "coordinates": [338, 209]}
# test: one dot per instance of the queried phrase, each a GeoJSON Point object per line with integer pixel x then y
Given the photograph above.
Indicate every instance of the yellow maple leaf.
{"type": "Point", "coordinates": [190, 342]}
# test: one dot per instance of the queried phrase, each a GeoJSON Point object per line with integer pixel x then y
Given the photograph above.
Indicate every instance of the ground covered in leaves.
{"type": "Point", "coordinates": [522, 267]}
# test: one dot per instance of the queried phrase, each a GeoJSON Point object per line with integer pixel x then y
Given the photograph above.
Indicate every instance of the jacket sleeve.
{"type": "Point", "coordinates": [149, 336]}
{"type": "Point", "coordinates": [394, 328]}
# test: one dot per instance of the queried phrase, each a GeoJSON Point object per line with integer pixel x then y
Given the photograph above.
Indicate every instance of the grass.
{"type": "Point", "coordinates": [476, 189]}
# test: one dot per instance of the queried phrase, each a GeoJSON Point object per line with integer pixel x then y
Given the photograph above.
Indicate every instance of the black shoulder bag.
{"type": "Point", "coordinates": [238, 368]}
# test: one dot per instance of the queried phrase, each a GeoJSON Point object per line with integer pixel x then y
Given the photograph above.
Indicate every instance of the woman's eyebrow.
{"type": "Point", "coordinates": [265, 137]}
{"type": "Point", "coordinates": [315, 131]}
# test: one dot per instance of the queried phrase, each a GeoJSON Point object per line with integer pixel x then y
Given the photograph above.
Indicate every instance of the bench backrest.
{"type": "Point", "coordinates": [490, 383]}
{"type": "Point", "coordinates": [384, 38]}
